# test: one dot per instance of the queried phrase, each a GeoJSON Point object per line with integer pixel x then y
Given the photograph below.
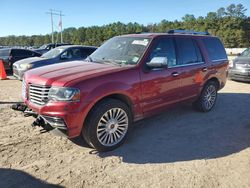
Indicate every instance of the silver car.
{"type": "Point", "coordinates": [56, 55]}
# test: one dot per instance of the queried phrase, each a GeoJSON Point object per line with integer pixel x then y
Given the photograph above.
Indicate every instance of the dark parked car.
{"type": "Point", "coordinates": [47, 47]}
{"type": "Point", "coordinates": [240, 67]}
{"type": "Point", "coordinates": [56, 55]}
{"type": "Point", "coordinates": [128, 78]}
{"type": "Point", "coordinates": [11, 55]}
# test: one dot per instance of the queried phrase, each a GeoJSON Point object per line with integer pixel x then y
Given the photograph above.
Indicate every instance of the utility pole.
{"type": "Point", "coordinates": [55, 13]}
{"type": "Point", "coordinates": [61, 26]}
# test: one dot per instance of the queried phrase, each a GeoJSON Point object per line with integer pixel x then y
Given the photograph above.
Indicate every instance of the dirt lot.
{"type": "Point", "coordinates": [179, 148]}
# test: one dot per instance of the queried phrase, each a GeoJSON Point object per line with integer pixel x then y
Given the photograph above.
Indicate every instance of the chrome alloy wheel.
{"type": "Point", "coordinates": [210, 97]}
{"type": "Point", "coordinates": [112, 127]}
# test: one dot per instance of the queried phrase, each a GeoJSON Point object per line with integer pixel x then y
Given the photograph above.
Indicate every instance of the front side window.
{"type": "Point", "coordinates": [189, 51]}
{"type": "Point", "coordinates": [121, 50]}
{"type": "Point", "coordinates": [164, 48]}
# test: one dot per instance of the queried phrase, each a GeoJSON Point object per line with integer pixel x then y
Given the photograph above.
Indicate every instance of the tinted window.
{"type": "Point", "coordinates": [188, 50]}
{"type": "Point", "coordinates": [164, 48]}
{"type": "Point", "coordinates": [20, 52]}
{"type": "Point", "coordinates": [89, 50]}
{"type": "Point", "coordinates": [76, 53]}
{"type": "Point", "coordinates": [215, 49]}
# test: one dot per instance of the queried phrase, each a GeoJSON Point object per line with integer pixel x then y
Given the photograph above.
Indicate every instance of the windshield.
{"type": "Point", "coordinates": [52, 53]}
{"type": "Point", "coordinates": [121, 50]}
{"type": "Point", "coordinates": [246, 53]}
{"type": "Point", "coordinates": [42, 47]}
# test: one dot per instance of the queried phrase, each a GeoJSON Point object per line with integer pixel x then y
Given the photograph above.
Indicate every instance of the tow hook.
{"type": "Point", "coordinates": [23, 108]}
{"type": "Point", "coordinates": [39, 121]}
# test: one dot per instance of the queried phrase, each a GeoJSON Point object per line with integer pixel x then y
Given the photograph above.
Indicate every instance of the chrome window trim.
{"type": "Point", "coordinates": [185, 65]}
{"type": "Point", "coordinates": [217, 60]}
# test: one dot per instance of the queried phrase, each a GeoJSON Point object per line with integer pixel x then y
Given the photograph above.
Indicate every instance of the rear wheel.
{"type": "Point", "coordinates": [207, 98]}
{"type": "Point", "coordinates": [107, 125]}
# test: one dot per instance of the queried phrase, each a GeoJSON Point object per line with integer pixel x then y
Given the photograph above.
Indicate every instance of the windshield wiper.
{"type": "Point", "coordinates": [110, 61]}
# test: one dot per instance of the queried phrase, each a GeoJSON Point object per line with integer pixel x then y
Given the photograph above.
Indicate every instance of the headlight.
{"type": "Point", "coordinates": [26, 66]}
{"type": "Point", "coordinates": [64, 94]}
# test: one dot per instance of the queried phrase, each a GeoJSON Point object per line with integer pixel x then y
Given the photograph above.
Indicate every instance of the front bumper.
{"type": "Point", "coordinates": [239, 74]}
{"type": "Point", "coordinates": [64, 117]}
{"type": "Point", "coordinates": [57, 125]}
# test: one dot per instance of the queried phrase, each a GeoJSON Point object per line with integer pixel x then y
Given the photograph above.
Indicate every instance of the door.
{"type": "Point", "coordinates": [160, 86]}
{"type": "Point", "coordinates": [193, 66]}
{"type": "Point", "coordinates": [71, 55]}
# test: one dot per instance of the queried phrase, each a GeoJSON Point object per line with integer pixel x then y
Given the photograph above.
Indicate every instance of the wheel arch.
{"type": "Point", "coordinates": [214, 79]}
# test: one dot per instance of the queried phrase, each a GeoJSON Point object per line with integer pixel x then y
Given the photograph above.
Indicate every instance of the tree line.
{"type": "Point", "coordinates": [231, 24]}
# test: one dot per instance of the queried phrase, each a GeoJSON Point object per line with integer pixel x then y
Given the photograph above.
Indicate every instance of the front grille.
{"type": "Point", "coordinates": [243, 66]}
{"type": "Point", "coordinates": [38, 94]}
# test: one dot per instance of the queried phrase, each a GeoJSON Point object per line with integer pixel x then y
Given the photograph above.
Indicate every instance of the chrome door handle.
{"type": "Point", "coordinates": [174, 74]}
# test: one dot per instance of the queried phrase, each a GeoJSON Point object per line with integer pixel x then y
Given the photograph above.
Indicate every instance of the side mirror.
{"type": "Point", "coordinates": [158, 62]}
{"type": "Point", "coordinates": [238, 54]}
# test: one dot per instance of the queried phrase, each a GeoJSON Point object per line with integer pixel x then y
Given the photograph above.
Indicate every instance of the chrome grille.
{"type": "Point", "coordinates": [38, 94]}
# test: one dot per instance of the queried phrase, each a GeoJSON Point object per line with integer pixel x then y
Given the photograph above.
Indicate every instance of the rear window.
{"type": "Point", "coordinates": [215, 49]}
{"type": "Point", "coordinates": [4, 52]}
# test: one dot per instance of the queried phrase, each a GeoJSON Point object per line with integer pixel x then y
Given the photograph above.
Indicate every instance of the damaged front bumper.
{"type": "Point", "coordinates": [55, 125]}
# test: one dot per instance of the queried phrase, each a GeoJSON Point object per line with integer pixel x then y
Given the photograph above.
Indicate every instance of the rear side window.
{"type": "Point", "coordinates": [189, 51]}
{"type": "Point", "coordinates": [215, 49]}
{"type": "Point", "coordinates": [21, 53]}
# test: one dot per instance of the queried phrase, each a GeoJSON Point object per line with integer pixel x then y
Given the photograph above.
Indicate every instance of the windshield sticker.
{"type": "Point", "coordinates": [141, 42]}
{"type": "Point", "coordinates": [135, 59]}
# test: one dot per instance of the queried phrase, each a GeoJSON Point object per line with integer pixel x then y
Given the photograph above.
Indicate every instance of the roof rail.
{"type": "Point", "coordinates": [182, 31]}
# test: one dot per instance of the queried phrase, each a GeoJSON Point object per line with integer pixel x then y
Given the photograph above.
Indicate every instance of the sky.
{"type": "Point", "coordinates": [28, 17]}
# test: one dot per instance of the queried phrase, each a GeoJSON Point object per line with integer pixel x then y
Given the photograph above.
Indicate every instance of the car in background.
{"type": "Point", "coordinates": [47, 47]}
{"type": "Point", "coordinates": [239, 68]}
{"type": "Point", "coordinates": [57, 55]}
{"type": "Point", "coordinates": [11, 55]}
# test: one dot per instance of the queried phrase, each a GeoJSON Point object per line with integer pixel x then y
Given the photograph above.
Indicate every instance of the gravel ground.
{"type": "Point", "coordinates": [178, 148]}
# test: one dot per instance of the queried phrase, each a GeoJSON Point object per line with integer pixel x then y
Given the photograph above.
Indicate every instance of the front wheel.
{"type": "Point", "coordinates": [107, 125]}
{"type": "Point", "coordinates": [207, 98]}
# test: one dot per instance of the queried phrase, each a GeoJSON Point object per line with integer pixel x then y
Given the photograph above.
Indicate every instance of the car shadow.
{"type": "Point", "coordinates": [18, 178]}
{"type": "Point", "coordinates": [182, 134]}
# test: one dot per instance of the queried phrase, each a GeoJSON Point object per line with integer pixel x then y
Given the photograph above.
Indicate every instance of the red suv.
{"type": "Point", "coordinates": [128, 78]}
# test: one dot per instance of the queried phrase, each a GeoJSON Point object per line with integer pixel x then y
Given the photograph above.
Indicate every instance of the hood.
{"type": "Point", "coordinates": [242, 60]}
{"type": "Point", "coordinates": [29, 60]}
{"type": "Point", "coordinates": [64, 73]}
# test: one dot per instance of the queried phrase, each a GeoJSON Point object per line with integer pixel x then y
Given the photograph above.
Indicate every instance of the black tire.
{"type": "Point", "coordinates": [93, 123]}
{"type": "Point", "coordinates": [206, 102]}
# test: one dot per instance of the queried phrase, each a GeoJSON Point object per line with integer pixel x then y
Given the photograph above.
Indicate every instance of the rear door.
{"type": "Point", "coordinates": [193, 67]}
{"type": "Point", "coordinates": [161, 87]}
